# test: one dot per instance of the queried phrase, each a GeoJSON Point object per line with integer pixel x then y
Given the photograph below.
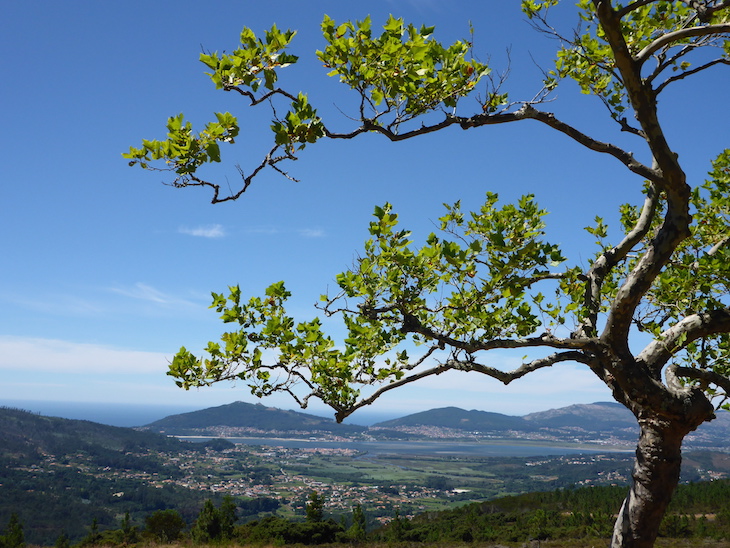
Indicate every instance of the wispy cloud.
{"type": "Point", "coordinates": [311, 232]}
{"type": "Point", "coordinates": [30, 354]}
{"type": "Point", "coordinates": [147, 293]}
{"type": "Point", "coordinates": [56, 304]}
{"type": "Point", "coordinates": [208, 231]}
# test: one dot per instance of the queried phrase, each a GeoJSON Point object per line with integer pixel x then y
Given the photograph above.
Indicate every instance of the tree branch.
{"type": "Point", "coordinates": [456, 365]}
{"type": "Point", "coordinates": [706, 376]}
{"type": "Point", "coordinates": [657, 353]}
{"type": "Point", "coordinates": [626, 158]}
{"type": "Point", "coordinates": [677, 35]}
{"type": "Point", "coordinates": [370, 125]}
{"type": "Point", "coordinates": [672, 182]}
{"type": "Point", "coordinates": [705, 12]}
{"type": "Point", "coordinates": [721, 6]}
{"type": "Point", "coordinates": [269, 160]}
{"type": "Point", "coordinates": [687, 73]}
{"type": "Point", "coordinates": [343, 413]}
{"type": "Point", "coordinates": [526, 112]}
{"type": "Point", "coordinates": [411, 324]}
{"type": "Point", "coordinates": [632, 6]}
{"type": "Point", "coordinates": [612, 257]}
{"type": "Point", "coordinates": [254, 100]}
{"type": "Point", "coordinates": [663, 63]}
{"type": "Point", "coordinates": [507, 377]}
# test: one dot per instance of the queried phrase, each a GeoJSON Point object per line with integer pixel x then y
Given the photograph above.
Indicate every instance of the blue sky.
{"type": "Point", "coordinates": [106, 272]}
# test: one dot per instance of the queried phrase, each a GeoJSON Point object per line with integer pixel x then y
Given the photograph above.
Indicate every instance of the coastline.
{"type": "Point", "coordinates": [491, 447]}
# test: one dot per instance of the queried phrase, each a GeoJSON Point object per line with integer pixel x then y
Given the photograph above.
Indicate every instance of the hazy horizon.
{"type": "Point", "coordinates": [137, 414]}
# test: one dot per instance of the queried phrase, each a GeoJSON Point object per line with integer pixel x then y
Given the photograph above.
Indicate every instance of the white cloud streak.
{"type": "Point", "coordinates": [147, 293]}
{"type": "Point", "coordinates": [311, 232]}
{"type": "Point", "coordinates": [65, 305]}
{"type": "Point", "coordinates": [209, 231]}
{"type": "Point", "coordinates": [29, 354]}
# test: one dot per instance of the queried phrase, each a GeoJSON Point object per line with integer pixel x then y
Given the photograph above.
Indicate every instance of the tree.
{"type": "Point", "coordinates": [227, 516]}
{"type": "Point", "coordinates": [356, 532]}
{"type": "Point", "coordinates": [93, 537]}
{"type": "Point", "coordinates": [207, 527]}
{"type": "Point", "coordinates": [214, 524]}
{"type": "Point", "coordinates": [483, 282]}
{"type": "Point", "coordinates": [62, 541]}
{"type": "Point", "coordinates": [538, 524]}
{"type": "Point", "coordinates": [396, 530]}
{"type": "Point", "coordinates": [13, 536]}
{"type": "Point", "coordinates": [127, 533]}
{"type": "Point", "coordinates": [314, 507]}
{"type": "Point", "coordinates": [164, 525]}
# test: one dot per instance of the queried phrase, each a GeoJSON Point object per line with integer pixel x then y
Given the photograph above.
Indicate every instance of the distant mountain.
{"type": "Point", "coordinates": [250, 419]}
{"type": "Point", "coordinates": [600, 422]}
{"type": "Point", "coordinates": [592, 416]}
{"type": "Point", "coordinates": [604, 422]}
{"type": "Point", "coordinates": [458, 419]}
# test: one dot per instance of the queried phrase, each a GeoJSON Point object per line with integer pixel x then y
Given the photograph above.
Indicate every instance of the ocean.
{"type": "Point", "coordinates": [121, 414]}
{"type": "Point", "coordinates": [129, 415]}
{"type": "Point", "coordinates": [113, 414]}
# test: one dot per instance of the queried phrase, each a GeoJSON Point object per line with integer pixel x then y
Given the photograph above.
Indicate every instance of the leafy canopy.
{"type": "Point", "coordinates": [403, 71]}
{"type": "Point", "coordinates": [487, 279]}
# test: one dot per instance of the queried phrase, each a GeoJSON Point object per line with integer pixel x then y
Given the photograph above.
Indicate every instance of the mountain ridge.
{"type": "Point", "coordinates": [456, 418]}
{"type": "Point", "coordinates": [251, 418]}
{"type": "Point", "coordinates": [606, 423]}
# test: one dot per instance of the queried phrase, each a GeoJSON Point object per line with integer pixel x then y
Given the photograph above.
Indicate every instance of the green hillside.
{"type": "Point", "coordinates": [49, 474]}
{"type": "Point", "coordinates": [456, 418]}
{"type": "Point", "coordinates": [251, 416]}
{"type": "Point", "coordinates": [24, 435]}
{"type": "Point", "coordinates": [698, 511]}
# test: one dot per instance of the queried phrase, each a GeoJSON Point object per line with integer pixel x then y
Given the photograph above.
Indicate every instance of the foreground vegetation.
{"type": "Point", "coordinates": [699, 512]}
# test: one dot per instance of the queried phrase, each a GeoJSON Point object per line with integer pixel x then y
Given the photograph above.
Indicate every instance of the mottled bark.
{"type": "Point", "coordinates": [655, 478]}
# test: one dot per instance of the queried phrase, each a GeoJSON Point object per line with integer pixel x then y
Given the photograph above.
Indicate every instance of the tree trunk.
{"type": "Point", "coordinates": [656, 475]}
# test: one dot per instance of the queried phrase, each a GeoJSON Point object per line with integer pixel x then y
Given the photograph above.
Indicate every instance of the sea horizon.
{"type": "Point", "coordinates": [111, 414]}
{"type": "Point", "coordinates": [135, 414]}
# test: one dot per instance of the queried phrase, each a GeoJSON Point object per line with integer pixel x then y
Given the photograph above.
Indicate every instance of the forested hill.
{"type": "Point", "coordinates": [58, 474]}
{"type": "Point", "coordinates": [24, 435]}
{"type": "Point", "coordinates": [586, 423]}
{"type": "Point", "coordinates": [257, 418]}
{"type": "Point", "coordinates": [596, 417]}
{"type": "Point", "coordinates": [459, 419]}
{"type": "Point", "coordinates": [250, 419]}
{"type": "Point", "coordinates": [698, 510]}
{"type": "Point", "coordinates": [580, 422]}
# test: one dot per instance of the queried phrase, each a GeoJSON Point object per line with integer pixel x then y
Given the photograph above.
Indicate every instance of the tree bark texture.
{"type": "Point", "coordinates": [655, 477]}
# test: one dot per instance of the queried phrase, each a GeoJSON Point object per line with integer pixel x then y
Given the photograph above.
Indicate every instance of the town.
{"type": "Point", "coordinates": [286, 477]}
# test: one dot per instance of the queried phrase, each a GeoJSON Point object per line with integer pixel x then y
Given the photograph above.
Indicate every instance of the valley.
{"type": "Point", "coordinates": [60, 475]}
